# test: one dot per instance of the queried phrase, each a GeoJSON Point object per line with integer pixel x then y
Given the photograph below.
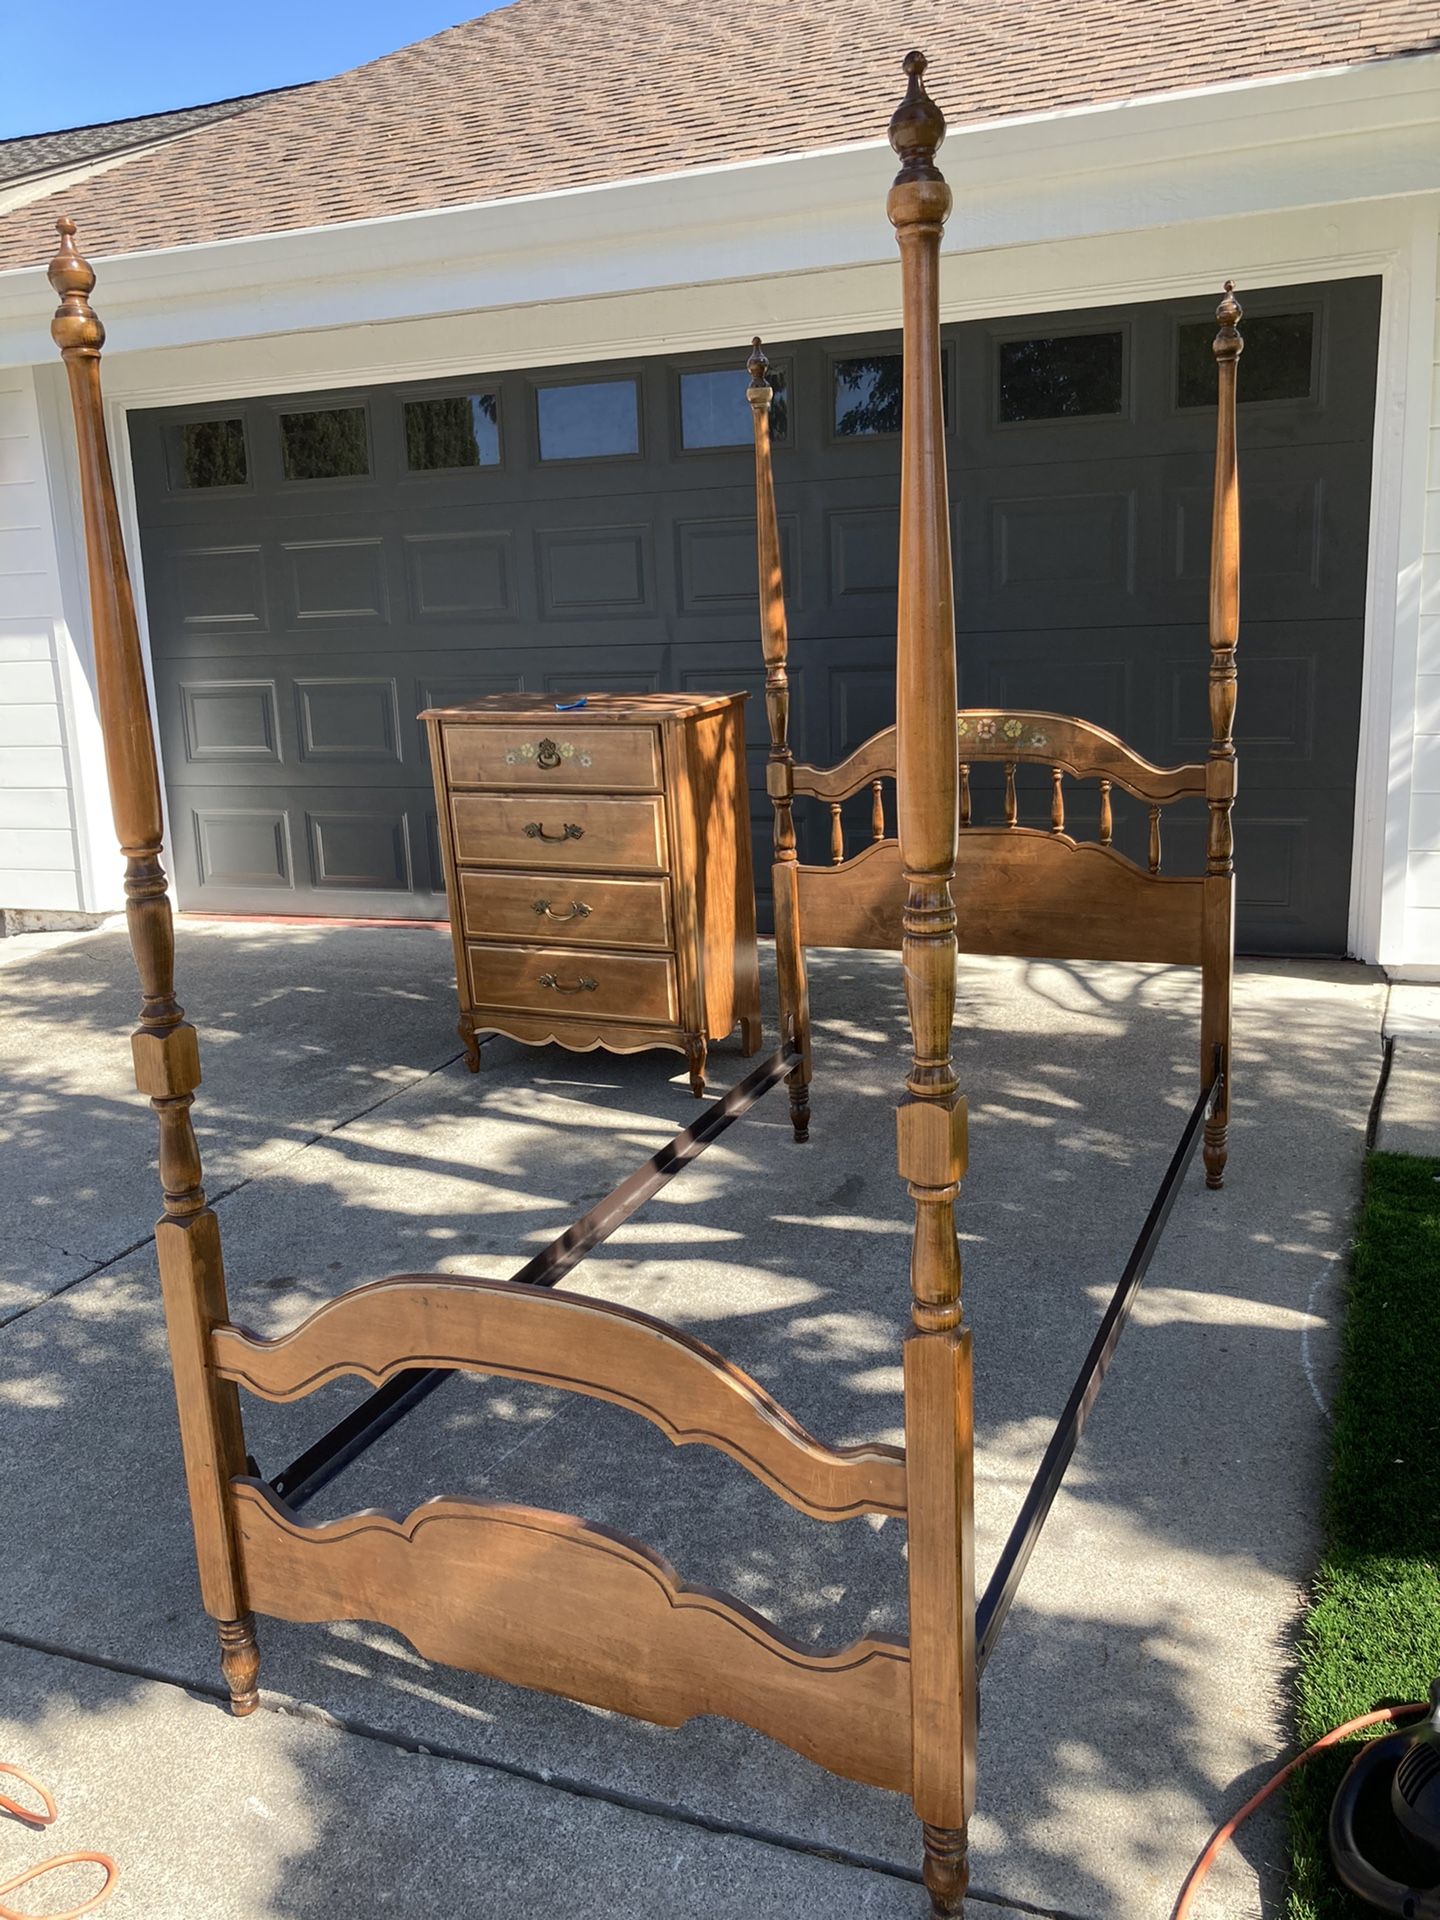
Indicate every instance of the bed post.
{"type": "Point", "coordinates": [939, 1428]}
{"type": "Point", "coordinates": [1218, 949]}
{"type": "Point", "coordinates": [167, 1059]}
{"type": "Point", "coordinates": [780, 771]}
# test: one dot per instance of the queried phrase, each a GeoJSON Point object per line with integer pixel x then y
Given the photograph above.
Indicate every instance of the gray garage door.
{"type": "Point", "coordinates": [319, 568]}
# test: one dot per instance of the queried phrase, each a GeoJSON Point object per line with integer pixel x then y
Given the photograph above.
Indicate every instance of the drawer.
{"type": "Point", "coordinates": [544, 906]}
{"type": "Point", "coordinates": [575, 983]}
{"type": "Point", "coordinates": [560, 831]}
{"type": "Point", "coordinates": [542, 755]}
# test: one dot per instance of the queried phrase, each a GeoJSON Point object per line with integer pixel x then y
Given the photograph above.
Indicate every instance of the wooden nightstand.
{"type": "Point", "coordinates": [597, 863]}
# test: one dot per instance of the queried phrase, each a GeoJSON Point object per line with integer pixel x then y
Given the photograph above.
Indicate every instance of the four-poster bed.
{"type": "Point", "coordinates": [549, 1600]}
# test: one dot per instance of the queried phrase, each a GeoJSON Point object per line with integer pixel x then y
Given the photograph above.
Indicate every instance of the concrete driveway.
{"type": "Point", "coordinates": [1139, 1691]}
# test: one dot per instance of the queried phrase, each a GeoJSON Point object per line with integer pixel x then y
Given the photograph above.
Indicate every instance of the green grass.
{"type": "Point", "coordinates": [1372, 1636]}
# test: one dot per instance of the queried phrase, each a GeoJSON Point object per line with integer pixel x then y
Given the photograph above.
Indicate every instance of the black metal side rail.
{"type": "Point", "coordinates": [994, 1607]}
{"type": "Point", "coordinates": [360, 1429]}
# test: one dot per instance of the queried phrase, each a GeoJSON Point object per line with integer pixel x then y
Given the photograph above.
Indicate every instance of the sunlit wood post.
{"type": "Point", "coordinates": [780, 769]}
{"type": "Point", "coordinates": [167, 1057]}
{"type": "Point", "coordinates": [1219, 910]}
{"type": "Point", "coordinates": [939, 1428]}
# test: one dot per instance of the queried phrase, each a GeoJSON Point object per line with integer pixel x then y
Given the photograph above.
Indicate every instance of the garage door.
{"type": "Point", "coordinates": [319, 568]}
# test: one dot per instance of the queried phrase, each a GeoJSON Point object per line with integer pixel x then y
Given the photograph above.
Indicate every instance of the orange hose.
{"type": "Point", "coordinates": [1202, 1866]}
{"type": "Point", "coordinates": [31, 1874]}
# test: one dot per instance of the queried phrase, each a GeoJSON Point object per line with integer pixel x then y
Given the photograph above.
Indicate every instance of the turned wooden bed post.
{"type": "Point", "coordinates": [1219, 911]}
{"type": "Point", "coordinates": [780, 770]}
{"type": "Point", "coordinates": [167, 1058]}
{"type": "Point", "coordinates": [939, 1426]}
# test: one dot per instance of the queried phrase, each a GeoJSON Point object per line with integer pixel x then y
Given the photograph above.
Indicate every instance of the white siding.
{"type": "Point", "coordinates": [38, 854]}
{"type": "Point", "coordinates": [1422, 880]}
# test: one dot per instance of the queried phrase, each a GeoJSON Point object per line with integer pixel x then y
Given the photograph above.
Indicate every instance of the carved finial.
{"type": "Point", "coordinates": [1227, 344]}
{"type": "Point", "coordinates": [757, 366]}
{"type": "Point", "coordinates": [917, 126]}
{"type": "Point", "coordinates": [75, 328]}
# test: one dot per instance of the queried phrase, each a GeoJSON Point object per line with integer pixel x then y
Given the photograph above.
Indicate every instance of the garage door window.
{"type": "Point", "coordinates": [715, 413]}
{"type": "Point", "coordinates": [1279, 360]}
{"type": "Point", "coordinates": [209, 453]}
{"type": "Point", "coordinates": [867, 395]}
{"type": "Point", "coordinates": [1061, 377]}
{"type": "Point", "coordinates": [597, 420]}
{"type": "Point", "coordinates": [328, 444]}
{"type": "Point", "coordinates": [452, 430]}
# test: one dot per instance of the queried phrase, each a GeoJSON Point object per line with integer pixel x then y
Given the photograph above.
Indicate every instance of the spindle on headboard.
{"type": "Point", "coordinates": [877, 809]}
{"type": "Point", "coordinates": [964, 794]}
{"type": "Point", "coordinates": [1012, 810]}
{"type": "Point", "coordinates": [1057, 801]}
{"type": "Point", "coordinates": [837, 834]}
{"type": "Point", "coordinates": [1154, 839]}
{"type": "Point", "coordinates": [1107, 824]}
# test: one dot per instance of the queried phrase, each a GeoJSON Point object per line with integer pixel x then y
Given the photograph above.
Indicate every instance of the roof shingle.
{"type": "Point", "coordinates": [549, 94]}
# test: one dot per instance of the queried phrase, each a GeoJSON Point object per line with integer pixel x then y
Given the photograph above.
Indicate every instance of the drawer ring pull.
{"type": "Point", "coordinates": [535, 831]}
{"type": "Point", "coordinates": [578, 910]}
{"type": "Point", "coordinates": [548, 755]}
{"type": "Point", "coordinates": [583, 985]}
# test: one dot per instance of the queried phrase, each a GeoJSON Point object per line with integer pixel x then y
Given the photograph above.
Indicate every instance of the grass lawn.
{"type": "Point", "coordinates": [1372, 1636]}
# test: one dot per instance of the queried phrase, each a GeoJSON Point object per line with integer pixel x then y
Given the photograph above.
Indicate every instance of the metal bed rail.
{"type": "Point", "coordinates": [344, 1443]}
{"type": "Point", "coordinates": [999, 1595]}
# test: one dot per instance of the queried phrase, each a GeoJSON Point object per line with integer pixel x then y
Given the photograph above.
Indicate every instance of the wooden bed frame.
{"type": "Point", "coordinates": [551, 1601]}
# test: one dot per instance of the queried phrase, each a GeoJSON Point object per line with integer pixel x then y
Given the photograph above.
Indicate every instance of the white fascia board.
{"type": "Point", "coordinates": [1343, 135]}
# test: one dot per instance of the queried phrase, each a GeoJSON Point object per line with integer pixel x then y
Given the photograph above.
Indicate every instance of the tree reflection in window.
{"type": "Point", "coordinates": [328, 444]}
{"type": "Point", "coordinates": [867, 394]}
{"type": "Point", "coordinates": [212, 454]}
{"type": "Point", "coordinates": [715, 413]}
{"type": "Point", "coordinates": [1061, 377]}
{"type": "Point", "coordinates": [452, 430]}
{"type": "Point", "coordinates": [1276, 365]}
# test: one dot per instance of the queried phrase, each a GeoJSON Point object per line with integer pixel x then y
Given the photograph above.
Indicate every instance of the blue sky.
{"type": "Point", "coordinates": [141, 56]}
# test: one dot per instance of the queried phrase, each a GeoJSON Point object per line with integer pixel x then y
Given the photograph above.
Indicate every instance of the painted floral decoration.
{"type": "Point", "coordinates": [1013, 729]}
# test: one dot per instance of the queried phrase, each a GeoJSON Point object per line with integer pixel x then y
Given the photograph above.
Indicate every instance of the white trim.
{"type": "Point", "coordinates": [1392, 594]}
{"type": "Point", "coordinates": [1337, 137]}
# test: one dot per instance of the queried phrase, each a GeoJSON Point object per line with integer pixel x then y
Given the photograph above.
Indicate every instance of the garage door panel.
{"type": "Point", "coordinates": [305, 850]}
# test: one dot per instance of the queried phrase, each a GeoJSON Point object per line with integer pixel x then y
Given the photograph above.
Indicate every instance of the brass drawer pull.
{"type": "Point", "coordinates": [583, 985]}
{"type": "Point", "coordinates": [578, 910]}
{"type": "Point", "coordinates": [569, 831]}
{"type": "Point", "coordinates": [547, 754]}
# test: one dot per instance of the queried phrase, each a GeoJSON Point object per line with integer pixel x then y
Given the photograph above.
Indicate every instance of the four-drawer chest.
{"type": "Point", "coordinates": [597, 862]}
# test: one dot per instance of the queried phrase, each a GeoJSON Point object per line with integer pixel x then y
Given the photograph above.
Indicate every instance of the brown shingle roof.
{"type": "Point", "coordinates": [33, 153]}
{"type": "Point", "coordinates": [547, 94]}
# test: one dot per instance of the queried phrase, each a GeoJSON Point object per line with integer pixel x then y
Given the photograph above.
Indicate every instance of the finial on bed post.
{"type": "Point", "coordinates": [1220, 767]}
{"type": "Point", "coordinates": [780, 771]}
{"type": "Point", "coordinates": [931, 1119]}
{"type": "Point", "coordinates": [166, 1055]}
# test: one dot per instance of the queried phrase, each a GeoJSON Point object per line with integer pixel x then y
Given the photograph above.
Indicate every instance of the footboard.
{"type": "Point", "coordinates": [1042, 893]}
{"type": "Point", "coordinates": [548, 1600]}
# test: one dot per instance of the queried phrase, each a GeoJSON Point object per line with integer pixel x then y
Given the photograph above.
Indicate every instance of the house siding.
{"type": "Point", "coordinates": [1422, 880]}
{"type": "Point", "coordinates": [39, 864]}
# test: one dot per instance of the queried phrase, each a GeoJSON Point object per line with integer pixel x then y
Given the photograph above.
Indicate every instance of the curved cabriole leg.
{"type": "Point", "coordinates": [696, 1051]}
{"type": "Point", "coordinates": [466, 1031]}
{"type": "Point", "coordinates": [240, 1663]}
{"type": "Point", "coordinates": [947, 1868]}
